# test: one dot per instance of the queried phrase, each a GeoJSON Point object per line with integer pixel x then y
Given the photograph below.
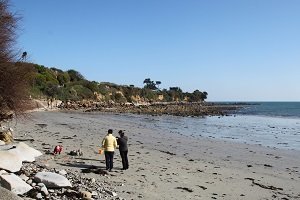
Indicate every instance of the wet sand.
{"type": "Point", "coordinates": [165, 164]}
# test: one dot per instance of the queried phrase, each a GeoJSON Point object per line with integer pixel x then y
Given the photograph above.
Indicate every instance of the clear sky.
{"type": "Point", "coordinates": [246, 50]}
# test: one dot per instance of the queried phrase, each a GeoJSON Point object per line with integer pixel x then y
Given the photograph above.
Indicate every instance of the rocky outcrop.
{"type": "Point", "coordinates": [176, 108]}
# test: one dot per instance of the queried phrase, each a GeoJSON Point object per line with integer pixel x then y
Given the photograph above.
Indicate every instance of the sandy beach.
{"type": "Point", "coordinates": [164, 164]}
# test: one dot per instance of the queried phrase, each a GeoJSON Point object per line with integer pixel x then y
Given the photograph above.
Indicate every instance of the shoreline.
{"type": "Point", "coordinates": [165, 164]}
{"type": "Point", "coordinates": [196, 109]}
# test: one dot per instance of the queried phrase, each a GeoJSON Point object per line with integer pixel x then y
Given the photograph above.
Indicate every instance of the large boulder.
{"type": "Point", "coordinates": [52, 180]}
{"type": "Point", "coordinates": [6, 194]}
{"type": "Point", "coordinates": [14, 183]}
{"type": "Point", "coordinates": [11, 157]}
{"type": "Point", "coordinates": [25, 152]}
{"type": "Point", "coordinates": [10, 161]}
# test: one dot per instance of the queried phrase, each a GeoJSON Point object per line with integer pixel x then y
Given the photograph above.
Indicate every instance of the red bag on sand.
{"type": "Point", "coordinates": [58, 149]}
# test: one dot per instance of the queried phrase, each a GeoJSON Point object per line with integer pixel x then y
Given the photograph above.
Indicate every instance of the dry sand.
{"type": "Point", "coordinates": [165, 165]}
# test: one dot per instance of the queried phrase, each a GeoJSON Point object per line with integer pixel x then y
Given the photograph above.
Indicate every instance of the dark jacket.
{"type": "Point", "coordinates": [122, 142]}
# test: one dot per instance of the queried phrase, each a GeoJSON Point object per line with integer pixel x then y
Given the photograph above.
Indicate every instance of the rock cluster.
{"type": "Point", "coordinates": [48, 183]}
{"type": "Point", "coordinates": [177, 109]}
{"type": "Point", "coordinates": [21, 174]}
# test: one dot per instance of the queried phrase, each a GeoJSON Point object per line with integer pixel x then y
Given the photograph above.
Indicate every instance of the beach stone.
{"type": "Point", "coordinates": [111, 193]}
{"type": "Point", "coordinates": [6, 194]}
{"type": "Point", "coordinates": [41, 184]}
{"type": "Point", "coordinates": [25, 152]}
{"type": "Point", "coordinates": [52, 180]}
{"type": "Point", "coordinates": [86, 195]}
{"type": "Point", "coordinates": [94, 193]}
{"type": "Point", "coordinates": [2, 143]}
{"type": "Point", "coordinates": [44, 190]}
{"type": "Point", "coordinates": [39, 196]}
{"type": "Point", "coordinates": [10, 161]}
{"type": "Point", "coordinates": [14, 183]}
{"type": "Point", "coordinates": [71, 193]}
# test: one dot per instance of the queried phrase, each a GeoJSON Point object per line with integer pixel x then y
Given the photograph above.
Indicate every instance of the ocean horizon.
{"type": "Point", "coordinates": [290, 109]}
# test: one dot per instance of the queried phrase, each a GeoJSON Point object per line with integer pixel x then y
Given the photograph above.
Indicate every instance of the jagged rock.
{"type": "Point", "coordinates": [52, 180]}
{"type": "Point", "coordinates": [14, 183]}
{"type": "Point", "coordinates": [6, 194]}
{"type": "Point", "coordinates": [25, 152]}
{"type": "Point", "coordinates": [10, 161]}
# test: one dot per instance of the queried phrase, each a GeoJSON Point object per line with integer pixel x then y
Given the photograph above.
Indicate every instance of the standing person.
{"type": "Point", "coordinates": [122, 142]}
{"type": "Point", "coordinates": [109, 144]}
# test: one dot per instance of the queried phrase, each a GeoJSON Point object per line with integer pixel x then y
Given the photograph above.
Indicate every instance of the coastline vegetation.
{"type": "Point", "coordinates": [70, 85]}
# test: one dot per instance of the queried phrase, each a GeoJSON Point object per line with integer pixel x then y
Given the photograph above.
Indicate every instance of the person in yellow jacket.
{"type": "Point", "coordinates": [109, 144]}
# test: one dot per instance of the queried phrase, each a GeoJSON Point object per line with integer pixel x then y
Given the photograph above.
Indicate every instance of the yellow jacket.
{"type": "Point", "coordinates": [109, 143]}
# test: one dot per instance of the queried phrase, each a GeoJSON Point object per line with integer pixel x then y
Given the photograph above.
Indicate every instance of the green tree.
{"type": "Point", "coordinates": [63, 78]}
{"type": "Point", "coordinates": [75, 75]}
{"type": "Point", "coordinates": [150, 84]}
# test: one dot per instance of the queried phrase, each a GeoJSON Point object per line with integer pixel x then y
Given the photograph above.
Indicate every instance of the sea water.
{"type": "Point", "coordinates": [270, 124]}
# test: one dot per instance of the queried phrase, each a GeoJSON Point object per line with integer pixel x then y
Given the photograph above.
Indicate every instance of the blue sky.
{"type": "Point", "coordinates": [236, 50]}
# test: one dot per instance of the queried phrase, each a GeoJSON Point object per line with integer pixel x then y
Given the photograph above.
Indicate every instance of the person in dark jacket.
{"type": "Point", "coordinates": [122, 142]}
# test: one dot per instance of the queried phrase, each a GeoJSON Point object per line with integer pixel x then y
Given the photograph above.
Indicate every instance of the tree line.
{"type": "Point", "coordinates": [71, 85]}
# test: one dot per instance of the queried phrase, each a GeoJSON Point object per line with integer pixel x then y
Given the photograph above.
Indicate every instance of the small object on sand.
{"type": "Point", "coordinates": [76, 152]}
{"type": "Point", "coordinates": [57, 149]}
